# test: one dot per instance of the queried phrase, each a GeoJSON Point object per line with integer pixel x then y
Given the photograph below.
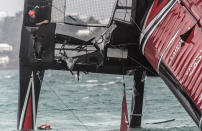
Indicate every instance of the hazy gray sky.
{"type": "Point", "coordinates": [11, 6]}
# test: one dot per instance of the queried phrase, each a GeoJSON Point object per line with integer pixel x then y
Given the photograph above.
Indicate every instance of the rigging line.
{"type": "Point", "coordinates": [123, 69]}
{"type": "Point", "coordinates": [126, 10]}
{"type": "Point", "coordinates": [146, 68]}
{"type": "Point", "coordinates": [68, 108]}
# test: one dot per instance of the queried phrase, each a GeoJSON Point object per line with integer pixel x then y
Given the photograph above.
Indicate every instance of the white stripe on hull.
{"type": "Point", "coordinates": [171, 41]}
{"type": "Point", "coordinates": [33, 102]}
{"type": "Point", "coordinates": [152, 26]}
{"type": "Point", "coordinates": [31, 84]}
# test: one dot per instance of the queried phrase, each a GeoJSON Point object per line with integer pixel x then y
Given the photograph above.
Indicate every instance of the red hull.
{"type": "Point", "coordinates": [172, 42]}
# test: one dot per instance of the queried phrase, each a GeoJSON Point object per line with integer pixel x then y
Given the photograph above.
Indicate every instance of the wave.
{"type": "Point", "coordinates": [92, 81]}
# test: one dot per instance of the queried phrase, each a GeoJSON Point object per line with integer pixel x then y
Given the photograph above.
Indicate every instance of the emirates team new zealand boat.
{"type": "Point", "coordinates": [128, 37]}
{"type": "Point", "coordinates": [172, 43]}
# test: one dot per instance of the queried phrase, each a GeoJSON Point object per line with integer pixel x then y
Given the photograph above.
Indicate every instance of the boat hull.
{"type": "Point", "coordinates": [172, 43]}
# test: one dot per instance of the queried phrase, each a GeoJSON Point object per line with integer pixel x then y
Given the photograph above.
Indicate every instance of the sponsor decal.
{"type": "Point", "coordinates": [176, 50]}
{"type": "Point", "coordinates": [194, 64]}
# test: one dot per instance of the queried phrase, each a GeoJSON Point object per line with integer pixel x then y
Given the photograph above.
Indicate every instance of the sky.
{"type": "Point", "coordinates": [11, 6]}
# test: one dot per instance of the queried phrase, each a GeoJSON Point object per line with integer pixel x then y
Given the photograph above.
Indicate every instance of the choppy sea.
{"type": "Point", "coordinates": [95, 101]}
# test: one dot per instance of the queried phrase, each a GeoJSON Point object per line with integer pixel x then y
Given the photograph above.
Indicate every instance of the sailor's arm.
{"type": "Point", "coordinates": [42, 22]}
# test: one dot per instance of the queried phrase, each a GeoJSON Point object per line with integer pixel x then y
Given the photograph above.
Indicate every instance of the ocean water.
{"type": "Point", "coordinates": [94, 103]}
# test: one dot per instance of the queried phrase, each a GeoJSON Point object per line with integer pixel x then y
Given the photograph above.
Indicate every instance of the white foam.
{"type": "Point", "coordinates": [105, 89]}
{"type": "Point", "coordinates": [109, 83]}
{"type": "Point", "coordinates": [85, 98]}
{"type": "Point", "coordinates": [8, 76]}
{"type": "Point", "coordinates": [92, 81]}
{"type": "Point", "coordinates": [88, 85]}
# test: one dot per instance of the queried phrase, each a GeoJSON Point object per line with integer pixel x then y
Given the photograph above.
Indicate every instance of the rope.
{"type": "Point", "coordinates": [123, 76]}
{"type": "Point", "coordinates": [146, 68]}
{"type": "Point", "coordinates": [68, 108]}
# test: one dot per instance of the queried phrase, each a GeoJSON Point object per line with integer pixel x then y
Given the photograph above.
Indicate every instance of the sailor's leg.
{"type": "Point", "coordinates": [137, 99]}
{"type": "Point", "coordinates": [30, 85]}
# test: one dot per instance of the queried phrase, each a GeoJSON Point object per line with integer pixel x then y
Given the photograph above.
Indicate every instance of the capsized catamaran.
{"type": "Point", "coordinates": [121, 36]}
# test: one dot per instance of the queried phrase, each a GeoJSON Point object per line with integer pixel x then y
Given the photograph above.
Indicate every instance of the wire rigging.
{"type": "Point", "coordinates": [68, 107]}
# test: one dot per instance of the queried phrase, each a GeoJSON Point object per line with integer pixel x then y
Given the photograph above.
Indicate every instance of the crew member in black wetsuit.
{"type": "Point", "coordinates": [44, 35]}
{"type": "Point", "coordinates": [38, 16]}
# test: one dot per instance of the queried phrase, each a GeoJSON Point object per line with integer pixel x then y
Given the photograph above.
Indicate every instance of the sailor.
{"type": "Point", "coordinates": [38, 16]}
{"type": "Point", "coordinates": [43, 35]}
{"type": "Point", "coordinates": [44, 127]}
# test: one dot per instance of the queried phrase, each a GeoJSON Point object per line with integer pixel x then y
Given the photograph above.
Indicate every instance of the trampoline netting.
{"type": "Point", "coordinates": [85, 12]}
{"type": "Point", "coordinates": [123, 10]}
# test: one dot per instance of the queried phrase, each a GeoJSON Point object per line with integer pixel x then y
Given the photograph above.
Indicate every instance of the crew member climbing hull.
{"type": "Point", "coordinates": [172, 42]}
